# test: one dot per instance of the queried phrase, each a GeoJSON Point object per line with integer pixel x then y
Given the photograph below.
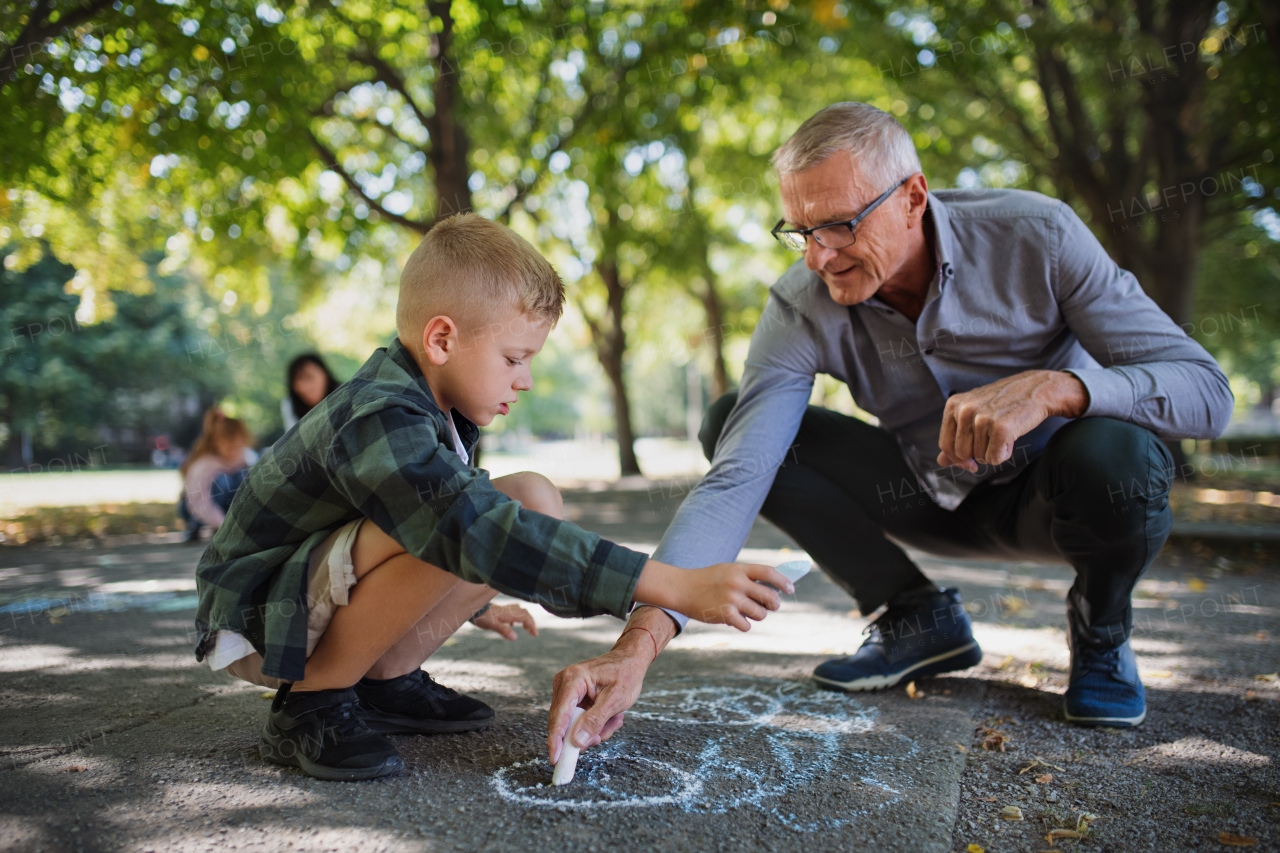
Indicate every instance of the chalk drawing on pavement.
{"type": "Point", "coordinates": [758, 741]}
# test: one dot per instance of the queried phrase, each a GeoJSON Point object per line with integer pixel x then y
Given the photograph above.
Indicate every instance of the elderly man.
{"type": "Point", "coordinates": [1022, 383]}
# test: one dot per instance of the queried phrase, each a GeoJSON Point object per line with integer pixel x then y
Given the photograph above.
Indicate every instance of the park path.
{"type": "Point", "coordinates": [113, 738]}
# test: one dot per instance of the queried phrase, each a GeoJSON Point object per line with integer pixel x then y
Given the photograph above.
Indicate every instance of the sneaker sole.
{"type": "Point", "coordinates": [929, 666]}
{"type": "Point", "coordinates": [394, 724]}
{"type": "Point", "coordinates": [1114, 722]}
{"type": "Point", "coordinates": [393, 764]}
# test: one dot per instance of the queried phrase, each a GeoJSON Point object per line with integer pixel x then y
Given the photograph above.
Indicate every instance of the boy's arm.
{"type": "Point", "coordinates": [388, 464]}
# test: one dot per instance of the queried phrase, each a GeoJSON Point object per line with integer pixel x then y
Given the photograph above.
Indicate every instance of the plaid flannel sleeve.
{"type": "Point", "coordinates": [389, 464]}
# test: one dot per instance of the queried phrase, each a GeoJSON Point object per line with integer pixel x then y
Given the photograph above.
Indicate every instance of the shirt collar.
{"type": "Point", "coordinates": [399, 353]}
{"type": "Point", "coordinates": [944, 239]}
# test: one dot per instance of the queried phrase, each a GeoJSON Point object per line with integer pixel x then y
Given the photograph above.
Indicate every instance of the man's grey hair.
{"type": "Point", "coordinates": [881, 147]}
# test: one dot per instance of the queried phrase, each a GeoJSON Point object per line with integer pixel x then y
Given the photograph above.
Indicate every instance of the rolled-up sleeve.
{"type": "Point", "coordinates": [1152, 373]}
{"type": "Point", "coordinates": [452, 516]}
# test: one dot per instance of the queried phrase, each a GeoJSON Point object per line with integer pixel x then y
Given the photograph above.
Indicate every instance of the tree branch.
{"type": "Point", "coordinates": [331, 162]}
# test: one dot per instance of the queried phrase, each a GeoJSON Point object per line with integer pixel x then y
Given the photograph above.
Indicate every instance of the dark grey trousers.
{"type": "Point", "coordinates": [1096, 497]}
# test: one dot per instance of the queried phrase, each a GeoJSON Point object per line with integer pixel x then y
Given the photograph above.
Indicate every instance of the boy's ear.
{"type": "Point", "coordinates": [440, 339]}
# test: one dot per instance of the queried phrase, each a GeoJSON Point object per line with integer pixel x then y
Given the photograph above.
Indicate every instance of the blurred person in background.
{"type": "Point", "coordinates": [310, 381]}
{"type": "Point", "coordinates": [213, 471]}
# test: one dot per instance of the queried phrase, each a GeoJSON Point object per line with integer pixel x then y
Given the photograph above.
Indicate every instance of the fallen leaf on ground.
{"type": "Point", "coordinates": [1274, 676]}
{"type": "Point", "coordinates": [1249, 696]}
{"type": "Point", "coordinates": [79, 768]}
{"type": "Point", "coordinates": [1011, 813]}
{"type": "Point", "coordinates": [973, 848]}
{"type": "Point", "coordinates": [993, 739]}
{"type": "Point", "coordinates": [1037, 761]}
{"type": "Point", "coordinates": [1008, 659]}
{"type": "Point", "coordinates": [1236, 840]}
{"type": "Point", "coordinates": [1159, 673]}
{"type": "Point", "coordinates": [987, 799]}
{"type": "Point", "coordinates": [1082, 824]}
{"type": "Point", "coordinates": [1196, 585]}
{"type": "Point", "coordinates": [270, 695]}
{"type": "Point", "coordinates": [913, 691]}
{"type": "Point", "coordinates": [1044, 778]}
{"type": "Point", "coordinates": [961, 748]}
{"type": "Point", "coordinates": [1055, 834]}
{"type": "Point", "coordinates": [1028, 680]}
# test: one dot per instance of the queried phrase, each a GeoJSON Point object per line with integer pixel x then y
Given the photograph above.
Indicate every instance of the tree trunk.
{"type": "Point", "coordinates": [611, 347]}
{"type": "Point", "coordinates": [449, 143]}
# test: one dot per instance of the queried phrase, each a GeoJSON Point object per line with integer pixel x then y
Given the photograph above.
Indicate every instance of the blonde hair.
{"type": "Point", "coordinates": [881, 147]}
{"type": "Point", "coordinates": [468, 268]}
{"type": "Point", "coordinates": [217, 432]}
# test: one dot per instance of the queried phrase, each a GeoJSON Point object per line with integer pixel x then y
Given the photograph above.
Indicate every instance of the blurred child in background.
{"type": "Point", "coordinates": [212, 472]}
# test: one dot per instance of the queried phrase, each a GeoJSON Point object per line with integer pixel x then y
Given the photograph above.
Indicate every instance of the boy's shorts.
{"type": "Point", "coordinates": [332, 574]}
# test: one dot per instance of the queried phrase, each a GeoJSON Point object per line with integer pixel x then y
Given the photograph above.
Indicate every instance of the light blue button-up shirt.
{"type": "Point", "coordinates": [1021, 284]}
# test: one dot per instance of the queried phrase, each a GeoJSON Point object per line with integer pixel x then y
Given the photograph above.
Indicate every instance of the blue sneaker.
{"type": "Point", "coordinates": [1105, 689]}
{"type": "Point", "coordinates": [923, 635]}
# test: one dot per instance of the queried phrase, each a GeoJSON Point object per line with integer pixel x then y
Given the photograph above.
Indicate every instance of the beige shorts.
{"type": "Point", "coordinates": [331, 574]}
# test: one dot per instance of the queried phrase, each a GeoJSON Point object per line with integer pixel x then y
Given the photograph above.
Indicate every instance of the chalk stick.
{"type": "Point", "coordinates": [792, 571]}
{"type": "Point", "coordinates": [563, 774]}
{"type": "Point", "coordinates": [795, 569]}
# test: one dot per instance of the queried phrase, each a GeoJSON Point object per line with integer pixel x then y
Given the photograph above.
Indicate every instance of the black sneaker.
{"type": "Point", "coordinates": [921, 635]}
{"type": "Point", "coordinates": [322, 733]}
{"type": "Point", "coordinates": [416, 704]}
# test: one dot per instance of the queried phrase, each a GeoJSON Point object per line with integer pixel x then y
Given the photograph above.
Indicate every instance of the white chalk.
{"type": "Point", "coordinates": [563, 774]}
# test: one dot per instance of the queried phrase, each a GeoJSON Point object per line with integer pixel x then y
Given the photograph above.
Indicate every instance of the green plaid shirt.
{"type": "Point", "coordinates": [380, 448]}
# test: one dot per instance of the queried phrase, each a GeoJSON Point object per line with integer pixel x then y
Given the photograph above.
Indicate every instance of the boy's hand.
{"type": "Point", "coordinates": [500, 617]}
{"type": "Point", "coordinates": [726, 593]}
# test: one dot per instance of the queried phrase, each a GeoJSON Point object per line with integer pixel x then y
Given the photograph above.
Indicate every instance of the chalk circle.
{"type": "Point", "coordinates": [598, 781]}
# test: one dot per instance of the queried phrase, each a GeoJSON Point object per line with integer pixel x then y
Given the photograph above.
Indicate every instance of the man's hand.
{"type": "Point", "coordinates": [981, 426]}
{"type": "Point", "coordinates": [723, 594]}
{"type": "Point", "coordinates": [606, 686]}
{"type": "Point", "coordinates": [500, 617]}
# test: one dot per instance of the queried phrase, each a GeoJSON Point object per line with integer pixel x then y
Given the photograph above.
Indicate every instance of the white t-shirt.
{"type": "Point", "coordinates": [457, 441]}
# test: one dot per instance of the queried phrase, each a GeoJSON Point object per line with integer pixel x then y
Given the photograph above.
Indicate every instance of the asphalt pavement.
{"type": "Point", "coordinates": [113, 738]}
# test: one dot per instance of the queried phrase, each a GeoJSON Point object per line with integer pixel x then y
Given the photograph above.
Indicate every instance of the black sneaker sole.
{"type": "Point", "coordinates": [272, 752]}
{"type": "Point", "coordinates": [394, 724]}
{"type": "Point", "coordinates": [966, 656]}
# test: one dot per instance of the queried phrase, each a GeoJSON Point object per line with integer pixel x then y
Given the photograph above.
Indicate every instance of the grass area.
{"type": "Point", "coordinates": [58, 524]}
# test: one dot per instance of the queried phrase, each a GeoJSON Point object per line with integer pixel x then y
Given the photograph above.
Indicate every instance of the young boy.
{"type": "Point", "coordinates": [363, 539]}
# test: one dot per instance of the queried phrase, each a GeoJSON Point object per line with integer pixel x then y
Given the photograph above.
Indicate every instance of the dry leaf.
{"type": "Point", "coordinates": [1028, 680]}
{"type": "Point", "coordinates": [270, 695]}
{"type": "Point", "coordinates": [1011, 813]}
{"type": "Point", "coordinates": [961, 748]}
{"type": "Point", "coordinates": [973, 848]}
{"type": "Point", "coordinates": [1250, 696]}
{"type": "Point", "coordinates": [994, 740]}
{"type": "Point", "coordinates": [1082, 824]}
{"type": "Point", "coordinates": [913, 691]}
{"type": "Point", "coordinates": [1159, 673]}
{"type": "Point", "coordinates": [1274, 676]}
{"type": "Point", "coordinates": [1007, 660]}
{"type": "Point", "coordinates": [1044, 778]}
{"type": "Point", "coordinates": [1055, 834]}
{"type": "Point", "coordinates": [1196, 585]}
{"type": "Point", "coordinates": [987, 799]}
{"type": "Point", "coordinates": [79, 768]}
{"type": "Point", "coordinates": [1236, 840]}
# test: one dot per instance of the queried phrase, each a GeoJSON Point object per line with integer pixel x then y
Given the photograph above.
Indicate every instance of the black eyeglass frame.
{"type": "Point", "coordinates": [852, 223]}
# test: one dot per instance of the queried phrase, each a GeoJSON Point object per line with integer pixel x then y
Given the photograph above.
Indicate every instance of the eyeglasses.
{"type": "Point", "coordinates": [833, 235]}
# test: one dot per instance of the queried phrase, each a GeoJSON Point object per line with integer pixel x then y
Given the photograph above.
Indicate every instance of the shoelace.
{"type": "Point", "coordinates": [342, 719]}
{"type": "Point", "coordinates": [1105, 662]}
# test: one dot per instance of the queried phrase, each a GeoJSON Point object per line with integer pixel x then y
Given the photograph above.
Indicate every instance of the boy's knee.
{"type": "Point", "coordinates": [534, 491]}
